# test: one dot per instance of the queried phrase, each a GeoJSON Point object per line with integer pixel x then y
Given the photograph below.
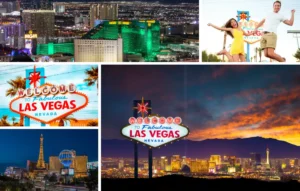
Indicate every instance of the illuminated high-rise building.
{"type": "Point", "coordinates": [103, 12]}
{"type": "Point", "coordinates": [175, 165]}
{"type": "Point", "coordinates": [121, 164]}
{"type": "Point", "coordinates": [80, 166]}
{"type": "Point", "coordinates": [146, 165]}
{"type": "Point", "coordinates": [232, 160]}
{"type": "Point", "coordinates": [203, 166]}
{"type": "Point", "coordinates": [212, 167]}
{"type": "Point", "coordinates": [8, 7]}
{"type": "Point", "coordinates": [194, 166]}
{"type": "Point", "coordinates": [12, 35]}
{"type": "Point", "coordinates": [93, 50]}
{"type": "Point", "coordinates": [41, 21]}
{"type": "Point", "coordinates": [29, 4]}
{"type": "Point", "coordinates": [52, 48]}
{"type": "Point", "coordinates": [155, 163]}
{"type": "Point", "coordinates": [255, 159]}
{"type": "Point", "coordinates": [30, 166]}
{"type": "Point", "coordinates": [139, 37]}
{"type": "Point", "coordinates": [267, 154]}
{"type": "Point", "coordinates": [216, 159]}
{"type": "Point", "coordinates": [54, 164]}
{"type": "Point", "coordinates": [41, 162]}
{"type": "Point", "coordinates": [44, 4]}
{"type": "Point", "coordinates": [163, 163]}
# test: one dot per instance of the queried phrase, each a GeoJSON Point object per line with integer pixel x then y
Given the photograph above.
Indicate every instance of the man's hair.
{"type": "Point", "coordinates": [277, 2]}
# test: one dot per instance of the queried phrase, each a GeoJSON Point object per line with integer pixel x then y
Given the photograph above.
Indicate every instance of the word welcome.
{"type": "Point", "coordinates": [155, 120]}
{"type": "Point", "coordinates": [46, 90]}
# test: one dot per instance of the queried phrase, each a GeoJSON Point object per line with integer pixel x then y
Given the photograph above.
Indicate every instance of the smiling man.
{"type": "Point", "coordinates": [269, 38]}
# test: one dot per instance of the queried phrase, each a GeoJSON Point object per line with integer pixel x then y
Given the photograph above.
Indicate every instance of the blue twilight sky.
{"type": "Point", "coordinates": [228, 101]}
{"type": "Point", "coordinates": [56, 74]}
{"type": "Point", "coordinates": [219, 12]}
{"type": "Point", "coordinates": [18, 146]}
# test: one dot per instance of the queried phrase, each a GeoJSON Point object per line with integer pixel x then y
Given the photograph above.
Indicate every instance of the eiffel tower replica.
{"type": "Point", "coordinates": [41, 170]}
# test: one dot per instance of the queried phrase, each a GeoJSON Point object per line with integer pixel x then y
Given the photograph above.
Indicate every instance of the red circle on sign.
{"type": "Point", "coordinates": [139, 120]}
{"type": "Point", "coordinates": [162, 120]}
{"type": "Point", "coordinates": [170, 120]}
{"type": "Point", "coordinates": [132, 120]}
{"type": "Point", "coordinates": [146, 120]}
{"type": "Point", "coordinates": [178, 120]}
{"type": "Point", "coordinates": [154, 120]}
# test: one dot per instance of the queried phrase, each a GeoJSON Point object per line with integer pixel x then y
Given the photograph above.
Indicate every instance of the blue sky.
{"type": "Point", "coordinates": [219, 12]}
{"type": "Point", "coordinates": [56, 74]}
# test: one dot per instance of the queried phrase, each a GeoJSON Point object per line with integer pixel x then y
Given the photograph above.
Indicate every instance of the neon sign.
{"type": "Point", "coordinates": [155, 131]}
{"type": "Point", "coordinates": [48, 102]}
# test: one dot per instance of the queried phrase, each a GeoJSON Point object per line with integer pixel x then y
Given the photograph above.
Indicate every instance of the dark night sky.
{"type": "Point", "coordinates": [18, 146]}
{"type": "Point", "coordinates": [214, 101]}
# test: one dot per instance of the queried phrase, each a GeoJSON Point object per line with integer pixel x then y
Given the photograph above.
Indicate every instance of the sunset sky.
{"type": "Point", "coordinates": [213, 101]}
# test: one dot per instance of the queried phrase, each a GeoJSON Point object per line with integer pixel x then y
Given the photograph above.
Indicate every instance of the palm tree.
{"type": "Point", "coordinates": [18, 83]}
{"type": "Point", "coordinates": [3, 121]}
{"type": "Point", "coordinates": [92, 123]}
{"type": "Point", "coordinates": [92, 76]}
{"type": "Point", "coordinates": [297, 55]}
{"type": "Point", "coordinates": [13, 119]}
{"type": "Point", "coordinates": [66, 118]}
{"type": "Point", "coordinates": [256, 50]}
{"type": "Point", "coordinates": [259, 52]}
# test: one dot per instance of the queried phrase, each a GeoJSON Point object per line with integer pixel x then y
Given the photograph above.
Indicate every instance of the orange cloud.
{"type": "Point", "coordinates": [274, 116]}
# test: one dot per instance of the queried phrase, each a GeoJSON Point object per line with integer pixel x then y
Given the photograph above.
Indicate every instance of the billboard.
{"type": "Point", "coordinates": [92, 165]}
{"type": "Point", "coordinates": [30, 34]}
{"type": "Point", "coordinates": [67, 171]}
{"type": "Point", "coordinates": [248, 27]}
{"type": "Point", "coordinates": [48, 103]}
{"type": "Point", "coordinates": [155, 131]}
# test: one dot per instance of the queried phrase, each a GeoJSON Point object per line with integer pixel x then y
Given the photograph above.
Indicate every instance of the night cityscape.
{"type": "Point", "coordinates": [116, 31]}
{"type": "Point", "coordinates": [243, 123]}
{"type": "Point", "coordinates": [49, 160]}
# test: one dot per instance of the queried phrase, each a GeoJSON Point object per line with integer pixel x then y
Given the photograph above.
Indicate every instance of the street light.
{"type": "Point", "coordinates": [296, 34]}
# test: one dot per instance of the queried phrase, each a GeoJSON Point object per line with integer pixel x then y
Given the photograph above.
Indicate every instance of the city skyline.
{"type": "Point", "coordinates": [214, 101]}
{"type": "Point", "coordinates": [23, 145]}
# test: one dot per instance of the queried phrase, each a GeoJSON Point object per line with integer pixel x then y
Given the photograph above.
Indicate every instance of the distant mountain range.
{"type": "Point", "coordinates": [203, 149]}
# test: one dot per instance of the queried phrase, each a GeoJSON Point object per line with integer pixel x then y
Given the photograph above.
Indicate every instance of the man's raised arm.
{"type": "Point", "coordinates": [291, 21]}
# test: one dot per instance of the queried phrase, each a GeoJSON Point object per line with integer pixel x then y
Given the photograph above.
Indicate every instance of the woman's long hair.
{"type": "Point", "coordinates": [228, 25]}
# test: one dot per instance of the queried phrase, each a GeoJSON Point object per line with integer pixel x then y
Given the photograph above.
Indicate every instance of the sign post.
{"type": "Point", "coordinates": [153, 131]}
{"type": "Point", "coordinates": [244, 15]}
{"type": "Point", "coordinates": [143, 107]}
{"type": "Point", "coordinates": [243, 18]}
{"type": "Point", "coordinates": [35, 77]}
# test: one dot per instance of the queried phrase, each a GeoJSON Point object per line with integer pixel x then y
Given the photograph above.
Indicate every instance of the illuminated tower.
{"type": "Point", "coordinates": [41, 162]}
{"type": "Point", "coordinates": [268, 162]}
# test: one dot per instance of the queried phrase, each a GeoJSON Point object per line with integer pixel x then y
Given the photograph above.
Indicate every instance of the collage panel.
{"type": "Point", "coordinates": [250, 31]}
{"type": "Point", "coordinates": [106, 31]}
{"type": "Point", "coordinates": [49, 95]}
{"type": "Point", "coordinates": [48, 159]}
{"type": "Point", "coordinates": [181, 127]}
